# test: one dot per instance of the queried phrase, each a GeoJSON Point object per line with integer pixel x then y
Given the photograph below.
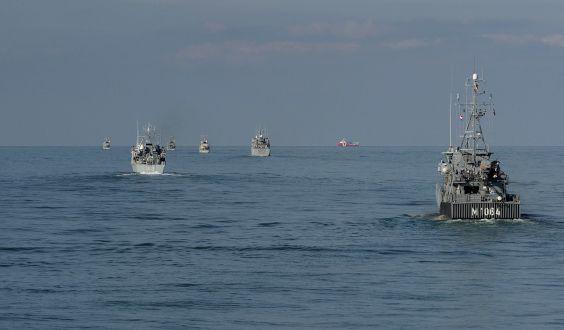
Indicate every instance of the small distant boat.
{"type": "Point", "coordinates": [147, 156]}
{"type": "Point", "coordinates": [204, 145]}
{"type": "Point", "coordinates": [345, 143]}
{"type": "Point", "coordinates": [260, 144]}
{"type": "Point", "coordinates": [107, 144]}
{"type": "Point", "coordinates": [171, 143]}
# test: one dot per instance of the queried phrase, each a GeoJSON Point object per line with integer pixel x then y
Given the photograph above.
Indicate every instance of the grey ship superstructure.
{"type": "Point", "coordinates": [474, 185]}
{"type": "Point", "coordinates": [260, 144]}
{"type": "Point", "coordinates": [147, 156]}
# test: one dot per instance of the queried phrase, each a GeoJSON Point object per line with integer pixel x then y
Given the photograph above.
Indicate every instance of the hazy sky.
{"type": "Point", "coordinates": [75, 71]}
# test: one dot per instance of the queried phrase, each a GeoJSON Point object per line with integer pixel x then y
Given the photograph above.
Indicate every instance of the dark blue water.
{"type": "Point", "coordinates": [308, 238]}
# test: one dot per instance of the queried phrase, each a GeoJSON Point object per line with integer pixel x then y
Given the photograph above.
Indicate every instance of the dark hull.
{"type": "Point", "coordinates": [481, 210]}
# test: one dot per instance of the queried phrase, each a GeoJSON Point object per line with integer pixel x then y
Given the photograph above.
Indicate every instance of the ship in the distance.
{"type": "Point", "coordinates": [107, 144]}
{"type": "Point", "coordinates": [204, 147]}
{"type": "Point", "coordinates": [147, 156]}
{"type": "Point", "coordinates": [171, 144]}
{"type": "Point", "coordinates": [260, 144]}
{"type": "Point", "coordinates": [345, 143]}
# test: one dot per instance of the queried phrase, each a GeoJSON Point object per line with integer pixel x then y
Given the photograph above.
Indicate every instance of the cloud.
{"type": "Point", "coordinates": [155, 2]}
{"type": "Point", "coordinates": [409, 44]}
{"type": "Point", "coordinates": [243, 50]}
{"type": "Point", "coordinates": [348, 29]}
{"type": "Point", "coordinates": [551, 40]}
{"type": "Point", "coordinates": [511, 38]}
{"type": "Point", "coordinates": [214, 27]}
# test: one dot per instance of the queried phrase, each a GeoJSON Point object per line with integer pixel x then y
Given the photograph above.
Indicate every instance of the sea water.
{"type": "Point", "coordinates": [311, 237]}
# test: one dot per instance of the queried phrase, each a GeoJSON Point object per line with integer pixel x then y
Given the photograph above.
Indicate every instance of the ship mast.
{"type": "Point", "coordinates": [450, 122]}
{"type": "Point", "coordinates": [473, 141]}
{"type": "Point", "coordinates": [450, 111]}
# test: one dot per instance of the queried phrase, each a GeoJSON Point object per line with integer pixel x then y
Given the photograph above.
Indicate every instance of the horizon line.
{"type": "Point", "coordinates": [283, 146]}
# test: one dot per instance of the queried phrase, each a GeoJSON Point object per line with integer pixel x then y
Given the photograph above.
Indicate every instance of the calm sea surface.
{"type": "Point", "coordinates": [308, 238]}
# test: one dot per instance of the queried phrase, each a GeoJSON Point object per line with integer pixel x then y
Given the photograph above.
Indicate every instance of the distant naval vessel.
{"type": "Point", "coordinates": [204, 147]}
{"type": "Point", "coordinates": [171, 144]}
{"type": "Point", "coordinates": [474, 185]}
{"type": "Point", "coordinates": [260, 144]}
{"type": "Point", "coordinates": [147, 156]}
{"type": "Point", "coordinates": [107, 144]}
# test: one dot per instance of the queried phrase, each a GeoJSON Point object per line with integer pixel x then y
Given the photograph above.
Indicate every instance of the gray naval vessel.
{"type": "Point", "coordinates": [474, 185]}
{"type": "Point", "coordinates": [147, 156]}
{"type": "Point", "coordinates": [204, 147]}
{"type": "Point", "coordinates": [107, 144]}
{"type": "Point", "coordinates": [171, 144]}
{"type": "Point", "coordinates": [260, 144]}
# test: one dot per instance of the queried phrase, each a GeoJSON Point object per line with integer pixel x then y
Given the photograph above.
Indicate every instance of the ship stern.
{"type": "Point", "coordinates": [480, 210]}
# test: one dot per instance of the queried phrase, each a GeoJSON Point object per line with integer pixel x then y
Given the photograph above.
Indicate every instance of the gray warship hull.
{"type": "Point", "coordinates": [260, 152]}
{"type": "Point", "coordinates": [471, 207]}
{"type": "Point", "coordinates": [147, 169]}
{"type": "Point", "coordinates": [470, 210]}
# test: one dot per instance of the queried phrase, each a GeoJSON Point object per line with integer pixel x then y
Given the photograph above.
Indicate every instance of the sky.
{"type": "Point", "coordinates": [310, 71]}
